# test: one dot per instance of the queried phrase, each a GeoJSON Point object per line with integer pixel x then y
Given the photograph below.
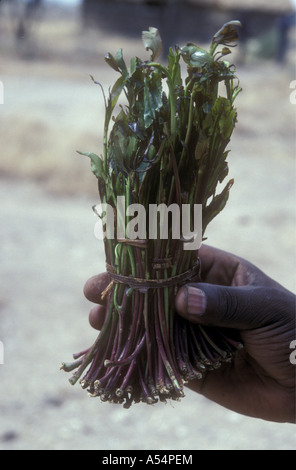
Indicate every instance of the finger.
{"type": "Point", "coordinates": [226, 269]}
{"type": "Point", "coordinates": [95, 286]}
{"type": "Point", "coordinates": [97, 317]}
{"type": "Point", "coordinates": [217, 266]}
{"type": "Point", "coordinates": [232, 307]}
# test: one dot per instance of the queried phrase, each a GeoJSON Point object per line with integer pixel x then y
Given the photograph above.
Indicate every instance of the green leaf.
{"type": "Point", "coordinates": [225, 169]}
{"type": "Point", "coordinates": [226, 51]}
{"type": "Point", "coordinates": [152, 41]}
{"type": "Point", "coordinates": [227, 123]}
{"type": "Point", "coordinates": [113, 98]}
{"type": "Point", "coordinates": [227, 34]}
{"type": "Point", "coordinates": [195, 56]}
{"type": "Point", "coordinates": [121, 63]}
{"type": "Point", "coordinates": [112, 62]}
{"type": "Point", "coordinates": [152, 98]}
{"type": "Point", "coordinates": [132, 146]}
{"type": "Point", "coordinates": [97, 164]}
{"type": "Point", "coordinates": [174, 67]}
{"type": "Point", "coordinates": [136, 129]}
{"type": "Point", "coordinates": [221, 119]}
{"type": "Point", "coordinates": [217, 204]}
{"type": "Point", "coordinates": [133, 66]}
{"type": "Point", "coordinates": [226, 115]}
{"type": "Point", "coordinates": [201, 148]}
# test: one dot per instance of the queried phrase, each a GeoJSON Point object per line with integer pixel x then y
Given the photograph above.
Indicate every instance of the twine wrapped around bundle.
{"type": "Point", "coordinates": [163, 150]}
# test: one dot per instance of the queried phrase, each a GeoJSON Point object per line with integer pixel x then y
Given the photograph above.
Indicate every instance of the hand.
{"type": "Point", "coordinates": [260, 381]}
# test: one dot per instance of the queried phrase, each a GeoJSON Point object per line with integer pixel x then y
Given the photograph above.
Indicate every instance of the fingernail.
{"type": "Point", "coordinates": [196, 301]}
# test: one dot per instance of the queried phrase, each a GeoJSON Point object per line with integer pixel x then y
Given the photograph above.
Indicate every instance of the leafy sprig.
{"type": "Point", "coordinates": [167, 144]}
{"type": "Point", "coordinates": [192, 122]}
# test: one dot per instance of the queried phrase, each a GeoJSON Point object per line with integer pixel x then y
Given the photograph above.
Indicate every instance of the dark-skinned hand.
{"type": "Point", "coordinates": [260, 381]}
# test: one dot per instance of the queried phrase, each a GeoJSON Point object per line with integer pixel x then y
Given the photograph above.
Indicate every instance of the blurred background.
{"type": "Point", "coordinates": [49, 109]}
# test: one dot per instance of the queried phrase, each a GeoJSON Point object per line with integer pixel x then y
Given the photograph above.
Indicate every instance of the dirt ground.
{"type": "Point", "coordinates": [48, 249]}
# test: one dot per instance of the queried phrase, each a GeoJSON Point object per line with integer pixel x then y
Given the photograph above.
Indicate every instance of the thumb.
{"type": "Point", "coordinates": [230, 307]}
